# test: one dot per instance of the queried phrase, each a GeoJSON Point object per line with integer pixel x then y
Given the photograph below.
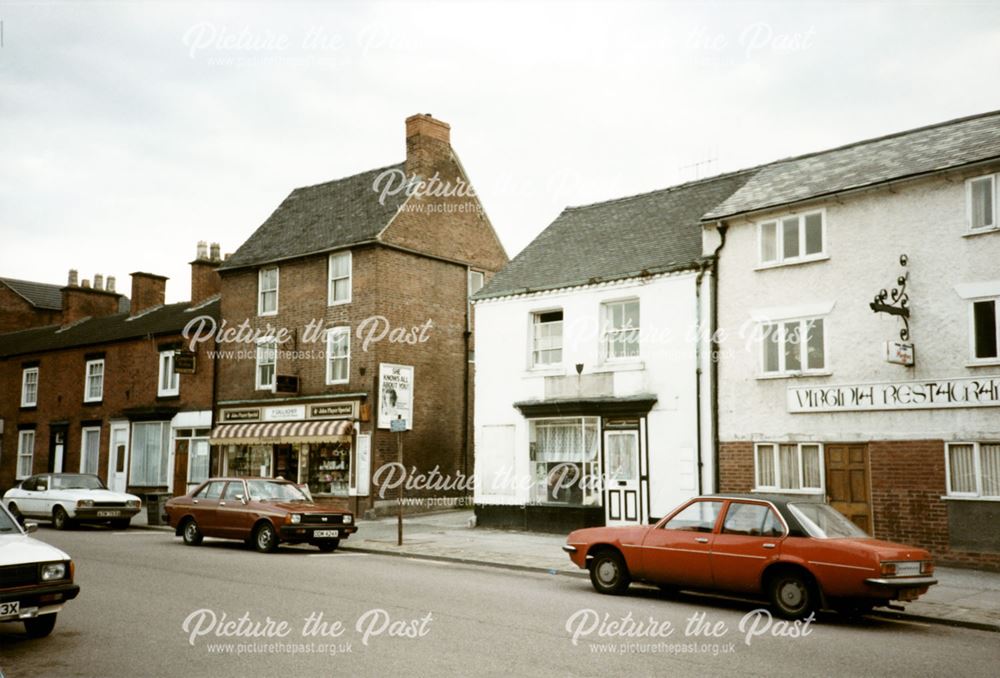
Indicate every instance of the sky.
{"type": "Point", "coordinates": [129, 131]}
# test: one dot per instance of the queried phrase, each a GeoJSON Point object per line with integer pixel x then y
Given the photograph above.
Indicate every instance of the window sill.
{"type": "Point", "coordinates": [93, 402]}
{"type": "Point", "coordinates": [951, 498]}
{"type": "Point", "coordinates": [343, 302]}
{"type": "Point", "coordinates": [793, 262]}
{"type": "Point", "coordinates": [980, 231]}
{"type": "Point", "coordinates": [991, 362]}
{"type": "Point", "coordinates": [168, 396]}
{"type": "Point", "coordinates": [777, 490]}
{"type": "Point", "coordinates": [29, 408]}
{"type": "Point", "coordinates": [620, 367]}
{"type": "Point", "coordinates": [343, 382]}
{"type": "Point", "coordinates": [794, 375]}
{"type": "Point", "coordinates": [267, 315]}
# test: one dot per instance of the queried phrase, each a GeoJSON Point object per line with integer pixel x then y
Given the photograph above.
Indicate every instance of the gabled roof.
{"type": "Point", "coordinates": [908, 154]}
{"type": "Point", "coordinates": [169, 319]}
{"type": "Point", "coordinates": [39, 295]}
{"type": "Point", "coordinates": [320, 218]}
{"type": "Point", "coordinates": [643, 234]}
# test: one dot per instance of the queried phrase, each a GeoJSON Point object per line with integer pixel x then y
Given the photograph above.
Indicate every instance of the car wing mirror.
{"type": "Point", "coordinates": [240, 498]}
{"type": "Point", "coordinates": [31, 527]}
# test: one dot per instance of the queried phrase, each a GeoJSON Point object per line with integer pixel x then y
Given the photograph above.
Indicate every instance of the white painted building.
{"type": "Point", "coordinates": [911, 452]}
{"type": "Point", "coordinates": [589, 366]}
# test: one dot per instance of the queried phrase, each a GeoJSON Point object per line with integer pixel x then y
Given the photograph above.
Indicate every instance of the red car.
{"type": "Point", "coordinates": [801, 555]}
{"type": "Point", "coordinates": [261, 511]}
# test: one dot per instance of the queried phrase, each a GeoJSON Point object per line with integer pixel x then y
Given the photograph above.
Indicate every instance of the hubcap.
{"type": "Point", "coordinates": [607, 572]}
{"type": "Point", "coordinates": [791, 594]}
{"type": "Point", "coordinates": [192, 531]}
{"type": "Point", "coordinates": [264, 538]}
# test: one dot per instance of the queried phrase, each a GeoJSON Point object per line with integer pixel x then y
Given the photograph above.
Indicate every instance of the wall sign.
{"type": "Point", "coordinates": [185, 362]}
{"type": "Point", "coordinates": [242, 414]}
{"type": "Point", "coordinates": [900, 353]}
{"type": "Point", "coordinates": [285, 413]}
{"type": "Point", "coordinates": [395, 394]}
{"type": "Point", "coordinates": [902, 395]}
{"type": "Point", "coordinates": [332, 411]}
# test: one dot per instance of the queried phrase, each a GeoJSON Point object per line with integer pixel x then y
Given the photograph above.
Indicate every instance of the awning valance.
{"type": "Point", "coordinates": [283, 432]}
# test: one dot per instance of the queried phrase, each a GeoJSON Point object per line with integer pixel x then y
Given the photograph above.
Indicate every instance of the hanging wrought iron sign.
{"type": "Point", "coordinates": [897, 302]}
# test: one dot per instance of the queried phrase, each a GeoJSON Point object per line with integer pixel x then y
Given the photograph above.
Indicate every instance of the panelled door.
{"type": "Point", "coordinates": [118, 456]}
{"type": "Point", "coordinates": [847, 483]}
{"type": "Point", "coordinates": [621, 469]}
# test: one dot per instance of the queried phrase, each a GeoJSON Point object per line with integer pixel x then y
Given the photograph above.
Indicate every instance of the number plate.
{"type": "Point", "coordinates": [319, 534]}
{"type": "Point", "coordinates": [108, 514]}
{"type": "Point", "coordinates": [12, 607]}
{"type": "Point", "coordinates": [908, 569]}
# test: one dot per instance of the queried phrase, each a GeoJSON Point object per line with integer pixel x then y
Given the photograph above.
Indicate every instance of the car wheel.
{"type": "Point", "coordinates": [16, 512]}
{"type": "Point", "coordinates": [609, 574]}
{"type": "Point", "coordinates": [121, 524]}
{"type": "Point", "coordinates": [192, 533]}
{"type": "Point", "coordinates": [60, 519]}
{"type": "Point", "coordinates": [265, 539]}
{"type": "Point", "coordinates": [792, 594]}
{"type": "Point", "coordinates": [328, 546]}
{"type": "Point", "coordinates": [39, 627]}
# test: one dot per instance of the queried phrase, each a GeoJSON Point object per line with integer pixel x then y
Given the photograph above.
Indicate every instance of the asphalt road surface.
{"type": "Point", "coordinates": [150, 606]}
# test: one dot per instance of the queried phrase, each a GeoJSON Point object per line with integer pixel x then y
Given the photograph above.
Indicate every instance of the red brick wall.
{"type": "Point", "coordinates": [736, 472]}
{"type": "Point", "coordinates": [81, 302]}
{"type": "Point", "coordinates": [17, 314]}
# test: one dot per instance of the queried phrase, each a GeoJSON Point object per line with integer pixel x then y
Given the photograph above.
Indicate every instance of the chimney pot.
{"type": "Point", "coordinates": [216, 248]}
{"type": "Point", "coordinates": [73, 277]}
{"type": "Point", "coordinates": [202, 250]}
{"type": "Point", "coordinates": [110, 286]}
{"type": "Point", "coordinates": [98, 281]}
{"type": "Point", "coordinates": [85, 284]}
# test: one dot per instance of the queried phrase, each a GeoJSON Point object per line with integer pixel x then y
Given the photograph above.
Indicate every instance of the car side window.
{"type": "Point", "coordinates": [754, 520]}
{"type": "Point", "coordinates": [773, 526]}
{"type": "Point", "coordinates": [42, 484]}
{"type": "Point", "coordinates": [233, 489]}
{"type": "Point", "coordinates": [212, 491]}
{"type": "Point", "coordinates": [30, 484]}
{"type": "Point", "coordinates": [698, 517]}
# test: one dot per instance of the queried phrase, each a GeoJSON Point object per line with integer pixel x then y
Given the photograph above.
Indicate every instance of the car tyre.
{"type": "Point", "coordinates": [192, 533]}
{"type": "Point", "coordinates": [60, 519]}
{"type": "Point", "coordinates": [39, 627]}
{"type": "Point", "coordinates": [16, 512]}
{"type": "Point", "coordinates": [328, 546]}
{"type": "Point", "coordinates": [265, 539]}
{"type": "Point", "coordinates": [609, 574]}
{"type": "Point", "coordinates": [793, 594]}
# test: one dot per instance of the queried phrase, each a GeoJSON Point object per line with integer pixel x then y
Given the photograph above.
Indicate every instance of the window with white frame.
{"type": "Point", "coordinates": [791, 239]}
{"type": "Point", "coordinates": [25, 453]}
{"type": "Point", "coordinates": [169, 383]}
{"type": "Point", "coordinates": [981, 203]}
{"type": "Point", "coordinates": [340, 279]}
{"type": "Point", "coordinates": [793, 346]}
{"type": "Point", "coordinates": [150, 453]}
{"type": "Point", "coordinates": [546, 338]}
{"type": "Point", "coordinates": [29, 387]}
{"type": "Point", "coordinates": [267, 360]}
{"type": "Point", "coordinates": [338, 355]}
{"type": "Point", "coordinates": [94, 382]}
{"type": "Point", "coordinates": [267, 295]}
{"type": "Point", "coordinates": [985, 329]}
{"type": "Point", "coordinates": [476, 281]}
{"type": "Point", "coordinates": [621, 329]}
{"type": "Point", "coordinates": [973, 469]}
{"type": "Point", "coordinates": [564, 461]}
{"type": "Point", "coordinates": [90, 449]}
{"type": "Point", "coordinates": [789, 467]}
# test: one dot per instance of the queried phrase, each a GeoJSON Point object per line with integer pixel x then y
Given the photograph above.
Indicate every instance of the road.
{"type": "Point", "coordinates": [401, 616]}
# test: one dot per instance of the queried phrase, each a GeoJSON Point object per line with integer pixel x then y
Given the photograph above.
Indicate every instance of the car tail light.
{"type": "Point", "coordinates": [927, 567]}
{"type": "Point", "coordinates": [889, 569]}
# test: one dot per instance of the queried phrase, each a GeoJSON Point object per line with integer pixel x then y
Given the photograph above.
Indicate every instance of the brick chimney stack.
{"type": "Point", "coordinates": [80, 300]}
{"type": "Point", "coordinates": [205, 280]}
{"type": "Point", "coordinates": [148, 290]}
{"type": "Point", "coordinates": [428, 144]}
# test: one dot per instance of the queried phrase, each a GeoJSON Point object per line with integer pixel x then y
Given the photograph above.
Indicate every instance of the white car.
{"type": "Point", "coordinates": [70, 498]}
{"type": "Point", "coordinates": [35, 578]}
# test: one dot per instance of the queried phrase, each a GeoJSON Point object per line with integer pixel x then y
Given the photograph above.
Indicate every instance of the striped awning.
{"type": "Point", "coordinates": [282, 432]}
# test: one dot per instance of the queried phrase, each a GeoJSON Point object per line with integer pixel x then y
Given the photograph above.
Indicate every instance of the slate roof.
{"type": "Point", "coordinates": [906, 154]}
{"type": "Point", "coordinates": [39, 295]}
{"type": "Point", "coordinates": [169, 319]}
{"type": "Point", "coordinates": [648, 233]}
{"type": "Point", "coordinates": [320, 218]}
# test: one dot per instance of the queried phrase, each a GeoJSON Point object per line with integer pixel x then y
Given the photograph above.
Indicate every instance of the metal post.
{"type": "Point", "coordinates": [399, 515]}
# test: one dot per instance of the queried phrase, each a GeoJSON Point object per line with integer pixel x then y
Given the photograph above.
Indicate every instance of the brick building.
{"type": "Point", "coordinates": [99, 393]}
{"type": "Point", "coordinates": [892, 415]}
{"type": "Point", "coordinates": [349, 287]}
{"type": "Point", "coordinates": [25, 304]}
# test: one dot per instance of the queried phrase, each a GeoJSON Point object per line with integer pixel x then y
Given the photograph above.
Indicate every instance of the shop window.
{"type": "Point", "coordinates": [792, 467]}
{"type": "Point", "coordinates": [150, 453]}
{"type": "Point", "coordinates": [564, 463]}
{"type": "Point", "coordinates": [329, 468]}
{"type": "Point", "coordinates": [248, 461]}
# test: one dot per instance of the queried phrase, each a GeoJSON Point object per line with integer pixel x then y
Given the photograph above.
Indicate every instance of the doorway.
{"type": "Point", "coordinates": [847, 483]}
{"type": "Point", "coordinates": [118, 457]}
{"type": "Point", "coordinates": [57, 448]}
{"type": "Point", "coordinates": [621, 473]}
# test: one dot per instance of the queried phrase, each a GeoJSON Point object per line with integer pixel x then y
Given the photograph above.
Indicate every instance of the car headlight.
{"type": "Point", "coordinates": [133, 503]}
{"type": "Point", "coordinates": [296, 518]}
{"type": "Point", "coordinates": [85, 503]}
{"type": "Point", "coordinates": [348, 519]}
{"type": "Point", "coordinates": [53, 571]}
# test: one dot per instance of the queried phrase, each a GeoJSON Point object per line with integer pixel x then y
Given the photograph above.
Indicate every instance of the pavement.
{"type": "Point", "coordinates": [967, 598]}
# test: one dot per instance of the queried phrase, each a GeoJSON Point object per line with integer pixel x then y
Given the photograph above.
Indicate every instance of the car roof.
{"type": "Point", "coordinates": [779, 501]}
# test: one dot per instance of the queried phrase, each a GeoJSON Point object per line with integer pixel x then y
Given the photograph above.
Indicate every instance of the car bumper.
{"type": "Point", "coordinates": [902, 583]}
{"type": "Point", "coordinates": [38, 600]}
{"type": "Point", "coordinates": [306, 533]}
{"type": "Point", "coordinates": [86, 515]}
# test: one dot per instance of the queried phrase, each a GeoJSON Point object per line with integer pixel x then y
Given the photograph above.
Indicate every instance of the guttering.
{"type": "Point", "coordinates": [721, 227]}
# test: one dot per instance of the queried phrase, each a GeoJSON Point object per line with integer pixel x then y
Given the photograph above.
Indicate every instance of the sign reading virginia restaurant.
{"type": "Point", "coordinates": [901, 395]}
{"type": "Point", "coordinates": [395, 394]}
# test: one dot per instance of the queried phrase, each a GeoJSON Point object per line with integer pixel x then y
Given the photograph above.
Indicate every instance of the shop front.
{"type": "Point", "coordinates": [312, 444]}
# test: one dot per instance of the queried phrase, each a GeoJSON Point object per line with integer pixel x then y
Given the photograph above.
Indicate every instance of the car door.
{"type": "Point", "coordinates": [232, 517]}
{"type": "Point", "coordinates": [749, 539]}
{"type": "Point", "coordinates": [677, 551]}
{"type": "Point", "coordinates": [27, 499]}
{"type": "Point", "coordinates": [204, 506]}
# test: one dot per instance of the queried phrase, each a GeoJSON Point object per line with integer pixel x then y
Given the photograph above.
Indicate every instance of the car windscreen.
{"type": "Point", "coordinates": [269, 490]}
{"type": "Point", "coordinates": [822, 521]}
{"type": "Point", "coordinates": [6, 524]}
{"type": "Point", "coordinates": [76, 482]}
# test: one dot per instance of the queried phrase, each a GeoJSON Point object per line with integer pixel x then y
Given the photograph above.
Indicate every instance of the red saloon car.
{"type": "Point", "coordinates": [802, 555]}
{"type": "Point", "coordinates": [261, 511]}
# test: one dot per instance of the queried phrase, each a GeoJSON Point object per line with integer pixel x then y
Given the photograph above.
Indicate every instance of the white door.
{"type": "Point", "coordinates": [621, 471]}
{"type": "Point", "coordinates": [57, 463]}
{"type": "Point", "coordinates": [118, 458]}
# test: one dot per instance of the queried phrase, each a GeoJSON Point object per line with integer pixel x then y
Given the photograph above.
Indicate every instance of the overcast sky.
{"type": "Point", "coordinates": [129, 131]}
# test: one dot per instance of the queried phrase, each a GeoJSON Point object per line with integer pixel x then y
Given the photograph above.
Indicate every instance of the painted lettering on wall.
{"type": "Point", "coordinates": [906, 395]}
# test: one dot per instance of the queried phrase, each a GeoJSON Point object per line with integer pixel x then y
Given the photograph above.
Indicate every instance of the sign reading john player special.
{"type": "Point", "coordinates": [900, 395]}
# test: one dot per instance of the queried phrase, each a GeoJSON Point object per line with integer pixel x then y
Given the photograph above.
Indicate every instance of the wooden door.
{"type": "Point", "coordinates": [180, 468]}
{"type": "Point", "coordinates": [847, 483]}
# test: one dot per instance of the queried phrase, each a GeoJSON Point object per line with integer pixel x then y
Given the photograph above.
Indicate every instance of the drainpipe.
{"type": "Point", "coordinates": [714, 357]}
{"type": "Point", "coordinates": [697, 368]}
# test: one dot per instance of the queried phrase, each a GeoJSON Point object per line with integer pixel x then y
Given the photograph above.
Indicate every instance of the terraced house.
{"type": "Point", "coordinates": [355, 293]}
{"type": "Point", "coordinates": [858, 296]}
